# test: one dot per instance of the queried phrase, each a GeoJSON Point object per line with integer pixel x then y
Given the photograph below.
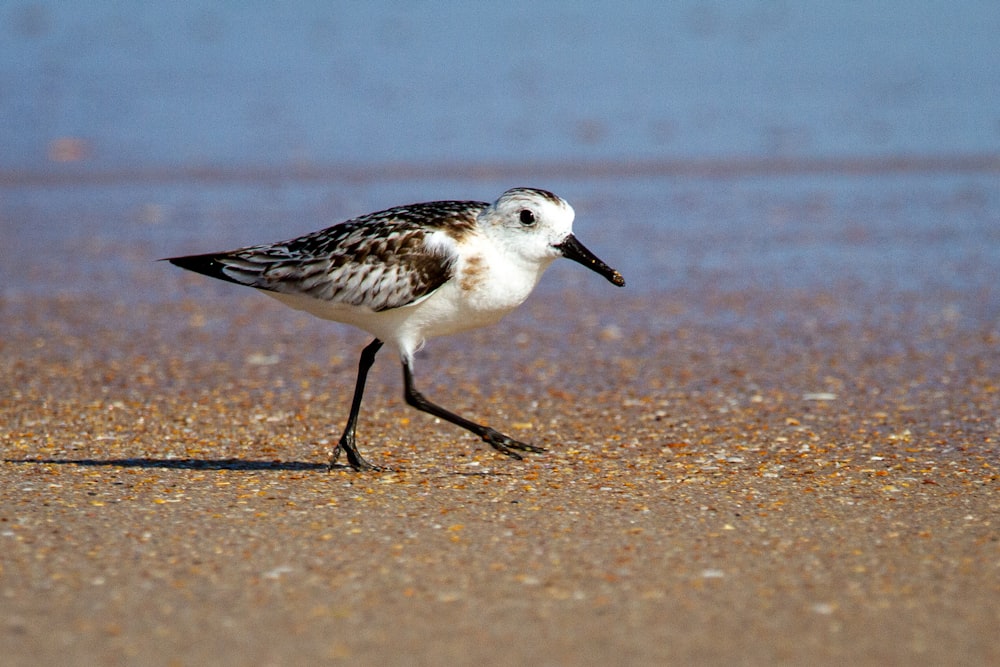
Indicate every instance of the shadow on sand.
{"type": "Point", "coordinates": [228, 464]}
{"type": "Point", "coordinates": [183, 464]}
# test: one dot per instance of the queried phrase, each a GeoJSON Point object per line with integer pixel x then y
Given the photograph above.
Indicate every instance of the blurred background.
{"type": "Point", "coordinates": [123, 85]}
{"type": "Point", "coordinates": [744, 144]}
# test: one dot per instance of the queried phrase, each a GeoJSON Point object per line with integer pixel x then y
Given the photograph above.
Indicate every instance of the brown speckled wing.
{"type": "Point", "coordinates": [378, 261]}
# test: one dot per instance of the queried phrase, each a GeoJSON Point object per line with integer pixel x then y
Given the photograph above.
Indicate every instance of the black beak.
{"type": "Point", "coordinates": [576, 251]}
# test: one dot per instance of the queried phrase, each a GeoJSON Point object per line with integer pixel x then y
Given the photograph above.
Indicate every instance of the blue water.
{"type": "Point", "coordinates": [185, 83]}
{"type": "Point", "coordinates": [131, 131]}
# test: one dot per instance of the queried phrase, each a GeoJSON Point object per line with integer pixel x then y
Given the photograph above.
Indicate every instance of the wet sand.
{"type": "Point", "coordinates": [805, 489]}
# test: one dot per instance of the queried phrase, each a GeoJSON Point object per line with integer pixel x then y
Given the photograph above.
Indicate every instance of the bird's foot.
{"type": "Point", "coordinates": [506, 445]}
{"type": "Point", "coordinates": [354, 459]}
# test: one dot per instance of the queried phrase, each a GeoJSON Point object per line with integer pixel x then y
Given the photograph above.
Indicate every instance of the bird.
{"type": "Point", "coordinates": [410, 273]}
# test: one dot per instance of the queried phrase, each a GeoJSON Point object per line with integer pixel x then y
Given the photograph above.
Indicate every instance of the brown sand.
{"type": "Point", "coordinates": [820, 491]}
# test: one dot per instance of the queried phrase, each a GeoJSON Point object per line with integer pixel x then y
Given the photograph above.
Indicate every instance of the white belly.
{"type": "Point", "coordinates": [479, 294]}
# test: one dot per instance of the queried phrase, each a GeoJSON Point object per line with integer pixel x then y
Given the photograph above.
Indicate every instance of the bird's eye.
{"type": "Point", "coordinates": [527, 217]}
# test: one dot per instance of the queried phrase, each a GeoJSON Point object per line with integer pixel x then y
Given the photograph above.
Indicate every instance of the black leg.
{"type": "Point", "coordinates": [494, 438]}
{"type": "Point", "coordinates": [346, 442]}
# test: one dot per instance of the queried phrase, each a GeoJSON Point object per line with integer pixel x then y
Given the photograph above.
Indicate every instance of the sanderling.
{"type": "Point", "coordinates": [409, 273]}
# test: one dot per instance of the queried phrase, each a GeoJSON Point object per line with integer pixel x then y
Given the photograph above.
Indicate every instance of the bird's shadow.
{"type": "Point", "coordinates": [182, 464]}
{"type": "Point", "coordinates": [220, 464]}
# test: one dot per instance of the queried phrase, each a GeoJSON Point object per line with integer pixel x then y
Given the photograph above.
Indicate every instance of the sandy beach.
{"type": "Point", "coordinates": [755, 495]}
